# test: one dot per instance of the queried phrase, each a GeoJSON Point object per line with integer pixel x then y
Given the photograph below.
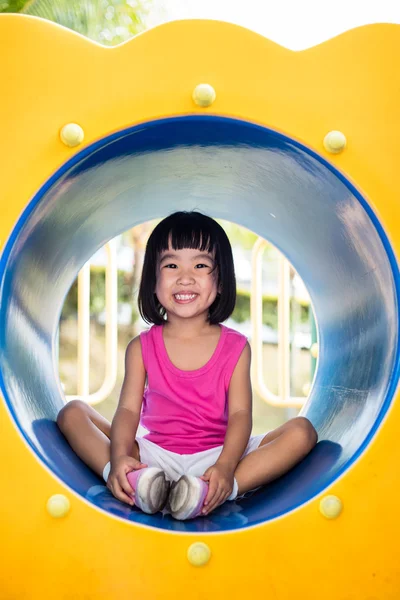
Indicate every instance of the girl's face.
{"type": "Point", "coordinates": [186, 282]}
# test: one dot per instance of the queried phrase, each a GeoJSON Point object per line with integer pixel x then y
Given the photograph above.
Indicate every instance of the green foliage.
{"type": "Point", "coordinates": [97, 293]}
{"type": "Point", "coordinates": [108, 22]}
{"type": "Point", "coordinates": [239, 235]}
{"type": "Point", "coordinates": [269, 310]}
{"type": "Point", "coordinates": [12, 6]}
{"type": "Point", "coordinates": [305, 313]}
{"type": "Point", "coordinates": [242, 309]}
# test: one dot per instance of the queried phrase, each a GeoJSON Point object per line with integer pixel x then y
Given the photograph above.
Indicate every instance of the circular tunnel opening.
{"type": "Point", "coordinates": [232, 170]}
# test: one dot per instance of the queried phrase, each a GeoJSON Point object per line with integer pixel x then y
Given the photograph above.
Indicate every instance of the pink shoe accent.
{"type": "Point", "coordinates": [151, 489]}
{"type": "Point", "coordinates": [199, 507]}
{"type": "Point", "coordinates": [133, 477]}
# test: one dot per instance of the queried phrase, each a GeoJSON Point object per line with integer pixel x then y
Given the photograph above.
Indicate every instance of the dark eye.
{"type": "Point", "coordinates": [170, 266]}
{"type": "Point", "coordinates": [202, 265]}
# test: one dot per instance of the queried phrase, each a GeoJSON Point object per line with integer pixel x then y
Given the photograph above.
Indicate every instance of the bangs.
{"type": "Point", "coordinates": [187, 234]}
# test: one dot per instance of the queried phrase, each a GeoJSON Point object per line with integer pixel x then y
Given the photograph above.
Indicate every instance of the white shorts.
{"type": "Point", "coordinates": [175, 465]}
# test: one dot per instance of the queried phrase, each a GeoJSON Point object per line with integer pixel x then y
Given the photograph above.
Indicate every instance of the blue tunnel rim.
{"type": "Point", "coordinates": [115, 136]}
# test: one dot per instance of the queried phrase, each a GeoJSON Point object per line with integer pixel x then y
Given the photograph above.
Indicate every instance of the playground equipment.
{"type": "Point", "coordinates": [257, 145]}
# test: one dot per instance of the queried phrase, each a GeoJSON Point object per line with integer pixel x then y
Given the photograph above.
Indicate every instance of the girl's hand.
{"type": "Point", "coordinates": [220, 486]}
{"type": "Point", "coordinates": [117, 482]}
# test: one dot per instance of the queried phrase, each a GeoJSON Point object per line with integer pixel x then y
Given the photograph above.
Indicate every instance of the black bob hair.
{"type": "Point", "coordinates": [195, 231]}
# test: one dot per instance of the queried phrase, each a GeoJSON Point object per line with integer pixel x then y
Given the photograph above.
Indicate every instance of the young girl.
{"type": "Point", "coordinates": [187, 380]}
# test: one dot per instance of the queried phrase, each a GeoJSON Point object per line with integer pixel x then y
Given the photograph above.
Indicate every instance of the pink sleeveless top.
{"type": "Point", "coordinates": [187, 411]}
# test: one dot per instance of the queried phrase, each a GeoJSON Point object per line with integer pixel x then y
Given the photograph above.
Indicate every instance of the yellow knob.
{"type": "Point", "coordinates": [335, 142]}
{"type": "Point", "coordinates": [204, 94]}
{"type": "Point", "coordinates": [331, 507]}
{"type": "Point", "coordinates": [72, 135]}
{"type": "Point", "coordinates": [198, 554]}
{"type": "Point", "coordinates": [58, 505]}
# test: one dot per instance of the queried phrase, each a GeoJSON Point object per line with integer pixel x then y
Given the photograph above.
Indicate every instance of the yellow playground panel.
{"type": "Point", "coordinates": [70, 109]}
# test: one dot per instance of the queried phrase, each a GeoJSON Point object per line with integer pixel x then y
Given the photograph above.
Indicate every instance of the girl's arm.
{"type": "Point", "coordinates": [220, 476]}
{"type": "Point", "coordinates": [125, 423]}
{"type": "Point", "coordinates": [239, 412]}
{"type": "Point", "coordinates": [127, 416]}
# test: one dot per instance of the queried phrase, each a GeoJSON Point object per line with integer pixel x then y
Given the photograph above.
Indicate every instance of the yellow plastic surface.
{"type": "Point", "coordinates": [50, 77]}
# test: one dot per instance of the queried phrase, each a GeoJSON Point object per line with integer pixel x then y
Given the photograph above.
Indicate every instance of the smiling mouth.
{"type": "Point", "coordinates": [184, 298]}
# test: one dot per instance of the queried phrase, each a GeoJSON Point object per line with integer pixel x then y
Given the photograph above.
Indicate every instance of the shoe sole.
{"type": "Point", "coordinates": [186, 498]}
{"type": "Point", "coordinates": [152, 491]}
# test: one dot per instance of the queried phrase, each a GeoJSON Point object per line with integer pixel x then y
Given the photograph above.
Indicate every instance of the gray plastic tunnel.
{"type": "Point", "coordinates": [236, 171]}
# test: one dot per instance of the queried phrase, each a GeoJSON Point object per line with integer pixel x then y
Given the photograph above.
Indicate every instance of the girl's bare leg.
{"type": "Point", "coordinates": [279, 451]}
{"type": "Point", "coordinates": [88, 434]}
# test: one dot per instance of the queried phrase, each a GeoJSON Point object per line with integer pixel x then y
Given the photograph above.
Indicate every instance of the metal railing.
{"type": "Point", "coordinates": [282, 399]}
{"type": "Point", "coordinates": [111, 330]}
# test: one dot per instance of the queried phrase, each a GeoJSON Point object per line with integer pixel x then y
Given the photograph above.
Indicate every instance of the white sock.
{"type": "Point", "coordinates": [235, 490]}
{"type": "Point", "coordinates": [106, 471]}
